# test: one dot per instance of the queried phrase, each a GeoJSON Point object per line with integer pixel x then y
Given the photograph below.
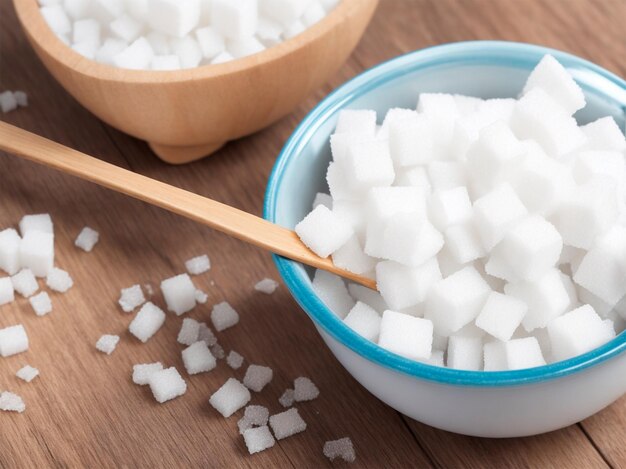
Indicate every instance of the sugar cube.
{"type": "Point", "coordinates": [450, 207]}
{"type": "Point", "coordinates": [410, 141]}
{"type": "Point", "coordinates": [463, 242]}
{"type": "Point", "coordinates": [231, 397]}
{"type": "Point", "coordinates": [37, 252]}
{"type": "Point", "coordinates": [368, 296]}
{"type": "Point", "coordinates": [224, 316]}
{"type": "Point", "coordinates": [257, 377]}
{"type": "Point", "coordinates": [13, 340]}
{"type": "Point", "coordinates": [7, 294]}
{"type": "Point", "coordinates": [165, 62]}
{"type": "Point", "coordinates": [352, 257]}
{"type": "Point", "coordinates": [341, 448]}
{"type": "Point", "coordinates": [494, 355]}
{"type": "Point", "coordinates": [142, 372]}
{"type": "Point", "coordinates": [131, 297]}
{"type": "Point", "coordinates": [126, 28]}
{"type": "Point", "coordinates": [179, 293]}
{"type": "Point", "coordinates": [323, 232]}
{"type": "Point", "coordinates": [166, 384]}
{"type": "Point", "coordinates": [234, 360]}
{"type": "Point", "coordinates": [201, 297]}
{"type": "Point", "coordinates": [410, 241]}
{"type": "Point", "coordinates": [59, 280]}
{"type": "Point", "coordinates": [189, 332]}
{"type": "Point", "coordinates": [287, 423]}
{"type": "Point", "coordinates": [218, 351]}
{"type": "Point", "coordinates": [107, 343]}
{"type": "Point", "coordinates": [447, 175]}
{"type": "Point", "coordinates": [10, 402]}
{"type": "Point", "coordinates": [86, 31]}
{"type": "Point", "coordinates": [211, 42]}
{"type": "Point", "coordinates": [198, 359]}
{"type": "Point", "coordinates": [523, 353]}
{"type": "Point", "coordinates": [25, 283]}
{"type": "Point", "coordinates": [27, 373]}
{"type": "Point", "coordinates": [406, 335]}
{"type": "Point", "coordinates": [403, 286]}
{"type": "Point", "coordinates": [87, 239]}
{"type": "Point", "coordinates": [267, 286]}
{"type": "Point", "coordinates": [147, 322]}
{"type": "Point", "coordinates": [333, 292]}
{"type": "Point", "coordinates": [8, 102]}
{"type": "Point", "coordinates": [364, 320]}
{"type": "Point", "coordinates": [234, 20]}
{"type": "Point", "coordinates": [368, 164]}
{"type": "Point", "coordinates": [356, 121]}
{"type": "Point", "coordinates": [258, 439]}
{"type": "Point", "coordinates": [41, 222]}
{"type": "Point", "coordinates": [287, 398]}
{"type": "Point", "coordinates": [136, 56]}
{"type": "Point", "coordinates": [604, 134]}
{"type": "Point", "coordinates": [304, 389]}
{"type": "Point", "coordinates": [10, 251]}
{"type": "Point", "coordinates": [188, 51]}
{"type": "Point", "coordinates": [465, 353]}
{"type": "Point", "coordinates": [206, 334]}
{"type": "Point", "coordinates": [256, 414]}
{"type": "Point", "coordinates": [109, 49]}
{"type": "Point", "coordinates": [57, 19]}
{"type": "Point", "coordinates": [198, 265]}
{"type": "Point", "coordinates": [501, 315]}
{"type": "Point", "coordinates": [173, 17]}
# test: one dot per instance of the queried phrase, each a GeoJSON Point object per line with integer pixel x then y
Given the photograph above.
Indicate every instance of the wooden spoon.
{"type": "Point", "coordinates": [229, 220]}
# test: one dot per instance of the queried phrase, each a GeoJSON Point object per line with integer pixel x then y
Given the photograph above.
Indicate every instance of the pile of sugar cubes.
{"type": "Point", "coordinates": [495, 229]}
{"type": "Point", "coordinates": [178, 34]}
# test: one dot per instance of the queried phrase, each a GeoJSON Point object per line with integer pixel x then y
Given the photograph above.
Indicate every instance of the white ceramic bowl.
{"type": "Point", "coordinates": [489, 404]}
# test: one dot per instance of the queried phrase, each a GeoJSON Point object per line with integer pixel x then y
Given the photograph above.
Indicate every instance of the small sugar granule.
{"type": "Point", "coordinates": [25, 283]}
{"type": "Point", "coordinates": [201, 297]}
{"type": "Point", "coordinates": [218, 351]}
{"type": "Point", "coordinates": [131, 297]}
{"type": "Point", "coordinates": [27, 373]}
{"type": "Point", "coordinates": [107, 343]}
{"type": "Point", "coordinates": [41, 303]}
{"type": "Point", "coordinates": [198, 359]}
{"type": "Point", "coordinates": [59, 280]}
{"type": "Point", "coordinates": [304, 389]}
{"type": "Point", "coordinates": [147, 322]}
{"type": "Point", "coordinates": [257, 377]}
{"type": "Point", "coordinates": [267, 286]}
{"type": "Point", "coordinates": [143, 371]}
{"type": "Point", "coordinates": [341, 448]}
{"type": "Point", "coordinates": [234, 360]}
{"type": "Point", "coordinates": [10, 402]}
{"type": "Point", "coordinates": [287, 423]}
{"type": "Point", "coordinates": [258, 439]}
{"type": "Point", "coordinates": [13, 340]}
{"type": "Point", "coordinates": [189, 332]}
{"type": "Point", "coordinates": [167, 384]}
{"type": "Point", "coordinates": [87, 239]}
{"type": "Point", "coordinates": [288, 398]}
{"type": "Point", "coordinates": [223, 316]}
{"type": "Point", "coordinates": [231, 397]}
{"type": "Point", "coordinates": [206, 334]}
{"type": "Point", "coordinates": [198, 265]}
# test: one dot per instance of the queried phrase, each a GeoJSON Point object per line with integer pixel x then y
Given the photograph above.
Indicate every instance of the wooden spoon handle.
{"type": "Point", "coordinates": [234, 222]}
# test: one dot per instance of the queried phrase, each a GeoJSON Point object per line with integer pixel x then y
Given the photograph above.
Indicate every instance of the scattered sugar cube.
{"type": "Point", "coordinates": [10, 402]}
{"type": "Point", "coordinates": [287, 398]}
{"type": "Point", "coordinates": [267, 286]}
{"type": "Point", "coordinates": [341, 448]}
{"type": "Point", "coordinates": [258, 439]}
{"type": "Point", "coordinates": [224, 316]}
{"type": "Point", "coordinates": [257, 377]}
{"type": "Point", "coordinates": [167, 384]}
{"type": "Point", "coordinates": [364, 320]}
{"type": "Point", "coordinates": [37, 252]}
{"type": "Point", "coordinates": [218, 351]}
{"type": "Point", "coordinates": [27, 373]}
{"type": "Point", "coordinates": [59, 280]}
{"type": "Point", "coordinates": [13, 340]}
{"type": "Point", "coordinates": [201, 297]}
{"type": "Point", "coordinates": [333, 292]}
{"type": "Point", "coordinates": [406, 335]}
{"type": "Point", "coordinates": [25, 283]}
{"type": "Point", "coordinates": [131, 298]}
{"type": "Point", "coordinates": [231, 397]}
{"type": "Point", "coordinates": [7, 294]}
{"type": "Point", "coordinates": [189, 332]}
{"type": "Point", "coordinates": [256, 414]}
{"type": "Point", "coordinates": [304, 389]}
{"type": "Point", "coordinates": [198, 265]}
{"type": "Point", "coordinates": [287, 423]}
{"type": "Point", "coordinates": [323, 232]}
{"type": "Point", "coordinates": [179, 293]}
{"type": "Point", "coordinates": [173, 17]}
{"type": "Point", "coordinates": [87, 239]}
{"type": "Point", "coordinates": [107, 343]}
{"type": "Point", "coordinates": [8, 102]}
{"type": "Point", "coordinates": [198, 359]}
{"type": "Point", "coordinates": [41, 222]}
{"type": "Point", "coordinates": [10, 251]}
{"type": "Point", "coordinates": [206, 334]}
{"type": "Point", "coordinates": [234, 360]}
{"type": "Point", "coordinates": [147, 322]}
{"type": "Point", "coordinates": [501, 315]}
{"type": "Point", "coordinates": [142, 372]}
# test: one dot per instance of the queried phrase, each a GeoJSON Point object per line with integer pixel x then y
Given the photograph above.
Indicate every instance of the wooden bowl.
{"type": "Point", "coordinates": [187, 114]}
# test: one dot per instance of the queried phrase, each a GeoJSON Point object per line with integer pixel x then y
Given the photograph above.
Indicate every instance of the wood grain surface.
{"type": "Point", "coordinates": [84, 411]}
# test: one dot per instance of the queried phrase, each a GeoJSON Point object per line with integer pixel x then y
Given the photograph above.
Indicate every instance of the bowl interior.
{"type": "Point", "coordinates": [483, 69]}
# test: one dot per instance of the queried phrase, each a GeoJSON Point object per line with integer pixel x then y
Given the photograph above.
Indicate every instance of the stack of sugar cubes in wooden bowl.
{"type": "Point", "coordinates": [495, 229]}
{"type": "Point", "coordinates": [178, 34]}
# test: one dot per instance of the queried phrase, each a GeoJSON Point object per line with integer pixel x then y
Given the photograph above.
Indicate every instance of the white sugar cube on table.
{"type": "Point", "coordinates": [257, 377]}
{"type": "Point", "coordinates": [179, 293]}
{"type": "Point", "coordinates": [287, 398]}
{"type": "Point", "coordinates": [234, 360]}
{"type": "Point", "coordinates": [40, 303]}
{"type": "Point", "coordinates": [10, 251]}
{"type": "Point", "coordinates": [87, 239]}
{"type": "Point", "coordinates": [287, 423]}
{"type": "Point", "coordinates": [340, 449]}
{"type": "Point", "coordinates": [206, 334]}
{"type": "Point", "coordinates": [37, 252]}
{"type": "Point", "coordinates": [107, 343]}
{"type": "Point", "coordinates": [406, 335]}
{"type": "Point", "coordinates": [59, 280]}
{"type": "Point", "coordinates": [189, 332]}
{"type": "Point", "coordinates": [258, 439]}
{"type": "Point", "coordinates": [267, 286]}
{"type": "Point", "coordinates": [131, 298]}
{"type": "Point", "coordinates": [231, 397]}
{"type": "Point", "coordinates": [10, 402]}
{"type": "Point", "coordinates": [304, 389]}
{"type": "Point", "coordinates": [198, 265]}
{"type": "Point", "coordinates": [25, 283]}
{"type": "Point", "coordinates": [218, 351]}
{"type": "Point", "coordinates": [167, 384]}
{"type": "Point", "coordinates": [27, 373]}
{"type": "Point", "coordinates": [147, 322]}
{"type": "Point", "coordinates": [40, 222]}
{"type": "Point", "coordinates": [143, 371]}
{"type": "Point", "coordinates": [7, 294]}
{"type": "Point", "coordinates": [13, 340]}
{"type": "Point", "coordinates": [8, 102]}
{"type": "Point", "coordinates": [201, 297]}
{"type": "Point", "coordinates": [198, 359]}
{"type": "Point", "coordinates": [254, 415]}
{"type": "Point", "coordinates": [223, 316]}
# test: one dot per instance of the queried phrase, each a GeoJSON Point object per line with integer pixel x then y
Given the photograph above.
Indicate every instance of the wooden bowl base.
{"type": "Point", "coordinates": [182, 155]}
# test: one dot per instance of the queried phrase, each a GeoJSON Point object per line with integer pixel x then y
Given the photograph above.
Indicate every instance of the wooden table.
{"type": "Point", "coordinates": [84, 410]}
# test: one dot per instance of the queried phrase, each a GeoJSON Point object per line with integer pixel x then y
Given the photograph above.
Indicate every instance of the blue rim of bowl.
{"type": "Point", "coordinates": [298, 282]}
